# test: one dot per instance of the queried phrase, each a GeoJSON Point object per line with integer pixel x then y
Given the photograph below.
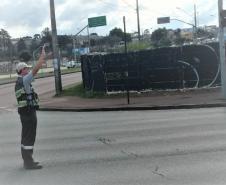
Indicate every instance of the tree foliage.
{"type": "Point", "coordinates": [160, 38]}
{"type": "Point", "coordinates": [117, 32]}
{"type": "Point", "coordinates": [46, 37]}
{"type": "Point", "coordinates": [25, 56]}
{"type": "Point", "coordinates": [5, 43]}
{"type": "Point", "coordinates": [178, 40]}
{"type": "Point", "coordinates": [203, 33]}
{"type": "Point", "coordinates": [21, 46]}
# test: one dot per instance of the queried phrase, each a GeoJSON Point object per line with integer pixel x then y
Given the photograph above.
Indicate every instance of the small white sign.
{"type": "Point", "coordinates": [55, 63]}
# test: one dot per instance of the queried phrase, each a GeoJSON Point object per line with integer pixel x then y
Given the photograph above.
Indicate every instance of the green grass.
{"type": "Point", "coordinates": [79, 91]}
{"type": "Point", "coordinates": [135, 46]}
{"type": "Point", "coordinates": [71, 70]}
{"type": "Point", "coordinates": [138, 46]}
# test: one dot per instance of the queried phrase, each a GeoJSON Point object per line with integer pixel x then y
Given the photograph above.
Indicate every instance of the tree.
{"type": "Point", "coordinates": [201, 33]}
{"type": "Point", "coordinates": [5, 43]}
{"type": "Point", "coordinates": [178, 39]}
{"type": "Point", "coordinates": [95, 34]}
{"type": "Point", "coordinates": [128, 37]}
{"type": "Point", "coordinates": [109, 40]}
{"type": "Point", "coordinates": [146, 32]}
{"type": "Point", "coordinates": [63, 41]}
{"type": "Point", "coordinates": [34, 45]}
{"type": "Point", "coordinates": [160, 38]}
{"type": "Point", "coordinates": [92, 42]}
{"type": "Point", "coordinates": [117, 32]}
{"type": "Point", "coordinates": [37, 36]}
{"type": "Point", "coordinates": [46, 36]}
{"type": "Point", "coordinates": [25, 56]}
{"type": "Point", "coordinates": [21, 46]}
{"type": "Point", "coordinates": [65, 44]}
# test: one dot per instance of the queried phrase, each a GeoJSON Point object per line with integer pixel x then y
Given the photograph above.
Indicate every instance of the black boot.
{"type": "Point", "coordinates": [32, 166]}
{"type": "Point", "coordinates": [28, 159]}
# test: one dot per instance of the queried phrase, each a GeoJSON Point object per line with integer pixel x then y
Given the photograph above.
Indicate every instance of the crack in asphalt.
{"type": "Point", "coordinates": [108, 142]}
{"type": "Point", "coordinates": [157, 173]}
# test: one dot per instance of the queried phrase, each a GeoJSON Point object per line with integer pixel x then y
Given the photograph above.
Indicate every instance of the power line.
{"type": "Point", "coordinates": [116, 6]}
{"type": "Point", "coordinates": [107, 3]}
{"type": "Point", "coordinates": [129, 5]}
{"type": "Point", "coordinates": [153, 11]}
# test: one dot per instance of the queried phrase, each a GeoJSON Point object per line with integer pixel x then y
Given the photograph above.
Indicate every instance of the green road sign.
{"type": "Point", "coordinates": [97, 21]}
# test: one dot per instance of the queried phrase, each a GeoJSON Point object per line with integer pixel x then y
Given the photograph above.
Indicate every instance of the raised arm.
{"type": "Point", "coordinates": [41, 61]}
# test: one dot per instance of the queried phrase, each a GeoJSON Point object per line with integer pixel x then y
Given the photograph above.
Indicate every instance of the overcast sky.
{"type": "Point", "coordinates": [28, 17]}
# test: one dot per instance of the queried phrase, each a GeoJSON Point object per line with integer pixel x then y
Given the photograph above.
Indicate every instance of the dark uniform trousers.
{"type": "Point", "coordinates": [29, 124]}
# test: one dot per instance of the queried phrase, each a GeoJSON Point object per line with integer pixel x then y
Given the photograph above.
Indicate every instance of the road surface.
{"type": "Point", "coordinates": [172, 147]}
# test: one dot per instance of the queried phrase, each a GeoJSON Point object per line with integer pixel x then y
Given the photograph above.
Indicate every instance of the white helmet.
{"type": "Point", "coordinates": [21, 65]}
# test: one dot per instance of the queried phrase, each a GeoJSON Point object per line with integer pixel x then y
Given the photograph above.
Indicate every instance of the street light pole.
{"type": "Point", "coordinates": [222, 49]}
{"type": "Point", "coordinates": [138, 19]}
{"type": "Point", "coordinates": [195, 16]}
{"type": "Point", "coordinates": [195, 23]}
{"type": "Point", "coordinates": [56, 57]}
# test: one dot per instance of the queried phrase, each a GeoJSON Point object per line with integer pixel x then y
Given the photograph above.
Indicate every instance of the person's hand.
{"type": "Point", "coordinates": [41, 61]}
{"type": "Point", "coordinates": [43, 55]}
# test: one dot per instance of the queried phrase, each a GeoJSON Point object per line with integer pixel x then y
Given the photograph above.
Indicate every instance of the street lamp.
{"type": "Point", "coordinates": [195, 20]}
{"type": "Point", "coordinates": [179, 8]}
{"type": "Point", "coordinates": [193, 16]}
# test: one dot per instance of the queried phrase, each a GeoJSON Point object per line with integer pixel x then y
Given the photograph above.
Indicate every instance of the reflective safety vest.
{"type": "Point", "coordinates": [23, 99]}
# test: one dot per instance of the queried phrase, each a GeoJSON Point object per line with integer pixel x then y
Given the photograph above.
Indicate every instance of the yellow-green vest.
{"type": "Point", "coordinates": [22, 96]}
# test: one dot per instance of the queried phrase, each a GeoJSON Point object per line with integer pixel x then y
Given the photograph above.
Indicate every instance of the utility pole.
{"type": "Point", "coordinates": [88, 36]}
{"type": "Point", "coordinates": [138, 19]}
{"type": "Point", "coordinates": [195, 16]}
{"type": "Point", "coordinates": [222, 46]}
{"type": "Point", "coordinates": [73, 39]}
{"type": "Point", "coordinates": [56, 57]}
{"type": "Point", "coordinates": [195, 23]}
{"type": "Point", "coordinates": [127, 74]}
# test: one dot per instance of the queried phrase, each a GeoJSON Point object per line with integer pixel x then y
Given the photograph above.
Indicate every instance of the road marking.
{"type": "Point", "coordinates": [7, 109]}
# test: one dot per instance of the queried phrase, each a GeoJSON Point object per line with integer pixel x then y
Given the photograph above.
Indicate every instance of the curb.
{"type": "Point", "coordinates": [161, 107]}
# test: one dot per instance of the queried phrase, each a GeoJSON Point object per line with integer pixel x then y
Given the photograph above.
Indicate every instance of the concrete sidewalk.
{"type": "Point", "coordinates": [154, 100]}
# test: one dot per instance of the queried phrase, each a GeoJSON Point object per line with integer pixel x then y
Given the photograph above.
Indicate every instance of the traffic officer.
{"type": "Point", "coordinates": [27, 101]}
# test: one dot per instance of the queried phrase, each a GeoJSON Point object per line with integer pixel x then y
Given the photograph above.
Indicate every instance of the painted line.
{"type": "Point", "coordinates": [7, 109]}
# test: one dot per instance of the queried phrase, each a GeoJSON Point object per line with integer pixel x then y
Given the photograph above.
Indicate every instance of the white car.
{"type": "Point", "coordinates": [72, 64]}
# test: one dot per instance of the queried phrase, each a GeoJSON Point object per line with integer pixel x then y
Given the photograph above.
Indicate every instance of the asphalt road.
{"type": "Point", "coordinates": [41, 85]}
{"type": "Point", "coordinates": [119, 148]}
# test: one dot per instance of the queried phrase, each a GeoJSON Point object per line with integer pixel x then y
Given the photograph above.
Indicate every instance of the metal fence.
{"type": "Point", "coordinates": [163, 68]}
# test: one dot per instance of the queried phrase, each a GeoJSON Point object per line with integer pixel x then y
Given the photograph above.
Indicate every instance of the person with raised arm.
{"type": "Point", "coordinates": [27, 102]}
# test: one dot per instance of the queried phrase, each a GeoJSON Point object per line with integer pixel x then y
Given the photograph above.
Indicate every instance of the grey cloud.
{"type": "Point", "coordinates": [27, 13]}
{"type": "Point", "coordinates": [78, 11]}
